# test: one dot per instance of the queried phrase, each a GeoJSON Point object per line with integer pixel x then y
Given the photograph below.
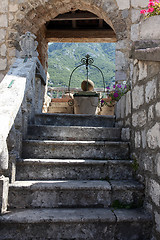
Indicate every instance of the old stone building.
{"type": "Point", "coordinates": [23, 88]}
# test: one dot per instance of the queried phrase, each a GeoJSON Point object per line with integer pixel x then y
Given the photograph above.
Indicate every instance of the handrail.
{"type": "Point", "coordinates": [65, 89]}
{"type": "Point", "coordinates": [15, 90]}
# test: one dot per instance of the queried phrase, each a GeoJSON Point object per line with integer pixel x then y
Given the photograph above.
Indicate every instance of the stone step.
{"type": "Point", "coordinates": [75, 149]}
{"type": "Point", "coordinates": [75, 224]}
{"type": "Point", "coordinates": [74, 120]}
{"type": "Point", "coordinates": [60, 109]}
{"type": "Point", "coordinates": [54, 169]}
{"type": "Point", "coordinates": [59, 104]}
{"type": "Point", "coordinates": [71, 193]}
{"type": "Point", "coordinates": [73, 133]}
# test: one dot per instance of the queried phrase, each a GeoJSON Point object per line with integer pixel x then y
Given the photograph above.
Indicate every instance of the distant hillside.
{"type": "Point", "coordinates": [64, 57]}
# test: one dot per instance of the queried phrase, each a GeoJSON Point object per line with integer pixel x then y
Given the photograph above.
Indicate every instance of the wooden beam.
{"type": "Point", "coordinates": [74, 24]}
{"type": "Point", "coordinates": [100, 23]}
{"type": "Point", "coordinates": [76, 16]}
{"type": "Point", "coordinates": [79, 35]}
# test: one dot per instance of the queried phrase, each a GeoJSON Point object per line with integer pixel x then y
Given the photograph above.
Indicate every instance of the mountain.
{"type": "Point", "coordinates": [64, 57]}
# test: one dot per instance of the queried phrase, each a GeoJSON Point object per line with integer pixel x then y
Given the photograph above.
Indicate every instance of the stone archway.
{"type": "Point", "coordinates": [32, 17]}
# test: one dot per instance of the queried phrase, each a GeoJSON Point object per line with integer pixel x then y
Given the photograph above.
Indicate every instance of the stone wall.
{"type": "Point", "coordinates": [146, 131]}
{"type": "Point", "coordinates": [139, 113]}
{"type": "Point", "coordinates": [27, 15]}
{"type": "Point", "coordinates": [18, 17]}
{"type": "Point", "coordinates": [22, 95]}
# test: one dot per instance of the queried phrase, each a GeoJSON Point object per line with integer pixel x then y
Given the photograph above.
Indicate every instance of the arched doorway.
{"type": "Point", "coordinates": [34, 17]}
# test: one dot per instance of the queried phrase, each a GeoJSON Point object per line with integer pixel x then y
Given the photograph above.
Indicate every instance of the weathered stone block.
{"type": "Point", "coordinates": [12, 52]}
{"type": "Point", "coordinates": [123, 101]}
{"type": "Point", "coordinates": [3, 50]}
{"type": "Point", "coordinates": [148, 28]}
{"type": "Point", "coordinates": [131, 70]}
{"type": "Point", "coordinates": [133, 229]}
{"type": "Point", "coordinates": [138, 96]}
{"type": "Point", "coordinates": [147, 162]}
{"type": "Point", "coordinates": [75, 120]}
{"type": "Point", "coordinates": [148, 54]}
{"type": "Point", "coordinates": [122, 44]}
{"type": "Point", "coordinates": [125, 13]}
{"type": "Point", "coordinates": [135, 15]}
{"type": "Point", "coordinates": [1, 77]}
{"type": "Point", "coordinates": [139, 3]}
{"type": "Point", "coordinates": [151, 90]}
{"type": "Point", "coordinates": [137, 139]}
{"type": "Point", "coordinates": [2, 35]}
{"type": "Point", "coordinates": [135, 32]}
{"type": "Point", "coordinates": [123, 4]}
{"type": "Point", "coordinates": [135, 62]}
{"type": "Point", "coordinates": [128, 122]}
{"type": "Point", "coordinates": [4, 184]}
{"type": "Point", "coordinates": [153, 136]}
{"type": "Point", "coordinates": [135, 74]}
{"type": "Point", "coordinates": [121, 62]}
{"type": "Point", "coordinates": [150, 113]}
{"type": "Point", "coordinates": [50, 194]}
{"type": "Point", "coordinates": [128, 103]}
{"type": "Point", "coordinates": [3, 64]}
{"type": "Point", "coordinates": [144, 140]}
{"type": "Point", "coordinates": [153, 67]}
{"type": "Point", "coordinates": [125, 134]}
{"type": "Point", "coordinates": [139, 118]}
{"type": "Point", "coordinates": [154, 189]}
{"type": "Point", "coordinates": [74, 133]}
{"type": "Point", "coordinates": [11, 16]}
{"type": "Point", "coordinates": [13, 7]}
{"type": "Point", "coordinates": [157, 107]}
{"type": "Point", "coordinates": [61, 224]}
{"type": "Point", "coordinates": [158, 164]}
{"type": "Point", "coordinates": [75, 149]}
{"type": "Point", "coordinates": [157, 220]}
{"type": "Point", "coordinates": [118, 110]}
{"type": "Point", "coordinates": [3, 6]}
{"type": "Point", "coordinates": [142, 70]}
{"type": "Point", "coordinates": [3, 20]}
{"type": "Point", "coordinates": [35, 169]}
{"type": "Point", "coordinates": [120, 76]}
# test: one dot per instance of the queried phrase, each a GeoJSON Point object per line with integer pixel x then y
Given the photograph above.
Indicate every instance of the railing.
{"type": "Point", "coordinates": [21, 95]}
{"type": "Point", "coordinates": [57, 92]}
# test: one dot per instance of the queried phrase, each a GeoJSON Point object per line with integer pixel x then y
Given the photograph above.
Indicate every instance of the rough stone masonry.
{"type": "Point", "coordinates": [137, 41]}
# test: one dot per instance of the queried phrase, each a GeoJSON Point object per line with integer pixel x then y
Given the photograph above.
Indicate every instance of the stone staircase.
{"type": "Point", "coordinates": [60, 105]}
{"type": "Point", "coordinates": [75, 182]}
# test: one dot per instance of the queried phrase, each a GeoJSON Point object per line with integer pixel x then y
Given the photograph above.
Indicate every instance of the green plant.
{"type": "Point", "coordinates": [153, 9]}
{"type": "Point", "coordinates": [115, 93]}
{"type": "Point", "coordinates": [64, 57]}
{"type": "Point", "coordinates": [105, 179]}
{"type": "Point", "coordinates": [119, 205]}
{"type": "Point", "coordinates": [135, 164]}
